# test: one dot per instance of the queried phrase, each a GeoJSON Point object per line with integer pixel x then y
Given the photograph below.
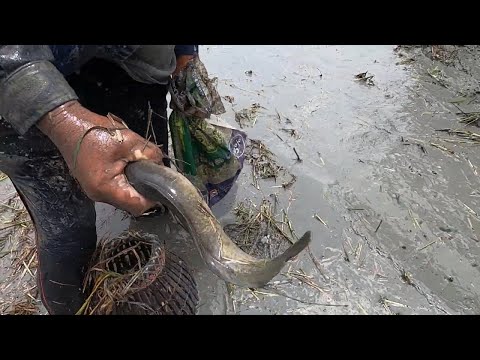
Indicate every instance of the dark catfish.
{"type": "Point", "coordinates": [224, 258]}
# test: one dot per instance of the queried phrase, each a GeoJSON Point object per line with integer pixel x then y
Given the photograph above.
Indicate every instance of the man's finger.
{"type": "Point", "coordinates": [146, 152]}
{"type": "Point", "coordinates": [122, 195]}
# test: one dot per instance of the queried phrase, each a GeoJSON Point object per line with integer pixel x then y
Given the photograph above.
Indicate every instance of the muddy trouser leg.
{"type": "Point", "coordinates": [64, 218]}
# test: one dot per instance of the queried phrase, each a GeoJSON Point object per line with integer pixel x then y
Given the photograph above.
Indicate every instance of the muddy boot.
{"type": "Point", "coordinates": [64, 218]}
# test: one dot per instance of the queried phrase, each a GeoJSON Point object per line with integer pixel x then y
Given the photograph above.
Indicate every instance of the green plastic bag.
{"type": "Point", "coordinates": [209, 152]}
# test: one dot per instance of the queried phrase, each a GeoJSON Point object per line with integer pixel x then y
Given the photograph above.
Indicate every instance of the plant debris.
{"type": "Point", "coordinates": [427, 245]}
{"type": "Point", "coordinates": [289, 183]}
{"type": "Point", "coordinates": [438, 75]}
{"type": "Point", "coordinates": [298, 156]}
{"type": "Point", "coordinates": [468, 99]}
{"type": "Point", "coordinates": [262, 160]}
{"type": "Point", "coordinates": [230, 99]}
{"type": "Point", "coordinates": [19, 257]}
{"type": "Point", "coordinates": [464, 134]}
{"type": "Point", "coordinates": [407, 58]}
{"type": "Point", "coordinates": [387, 303]}
{"type": "Point", "coordinates": [292, 132]}
{"type": "Point", "coordinates": [26, 307]}
{"type": "Point", "coordinates": [305, 279]}
{"type": "Point", "coordinates": [259, 230]}
{"type": "Point", "coordinates": [405, 61]}
{"type": "Point", "coordinates": [247, 116]}
{"type": "Point", "coordinates": [443, 148]}
{"type": "Point", "coordinates": [320, 219]}
{"type": "Point", "coordinates": [364, 78]}
{"type": "Point", "coordinates": [408, 142]}
{"type": "Point", "coordinates": [470, 118]}
{"type": "Point", "coordinates": [406, 277]}
{"type": "Point", "coordinates": [264, 165]}
{"type": "Point", "coordinates": [440, 53]}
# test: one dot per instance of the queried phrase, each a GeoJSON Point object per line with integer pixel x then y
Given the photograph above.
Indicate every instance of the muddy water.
{"type": "Point", "coordinates": [397, 238]}
{"type": "Point", "coordinates": [397, 210]}
{"type": "Point", "coordinates": [423, 257]}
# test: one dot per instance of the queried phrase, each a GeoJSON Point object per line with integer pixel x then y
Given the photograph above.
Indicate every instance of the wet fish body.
{"type": "Point", "coordinates": [221, 254]}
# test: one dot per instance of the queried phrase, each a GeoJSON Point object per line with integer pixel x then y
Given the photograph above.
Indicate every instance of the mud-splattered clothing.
{"type": "Point", "coordinates": [34, 79]}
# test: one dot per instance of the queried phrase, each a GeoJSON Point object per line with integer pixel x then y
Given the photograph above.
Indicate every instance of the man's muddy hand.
{"type": "Point", "coordinates": [97, 149]}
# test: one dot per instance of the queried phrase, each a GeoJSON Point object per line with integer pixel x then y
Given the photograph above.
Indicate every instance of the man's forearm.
{"type": "Point", "coordinates": [30, 85]}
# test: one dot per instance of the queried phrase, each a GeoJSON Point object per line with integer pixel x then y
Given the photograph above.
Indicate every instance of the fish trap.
{"type": "Point", "coordinates": [134, 274]}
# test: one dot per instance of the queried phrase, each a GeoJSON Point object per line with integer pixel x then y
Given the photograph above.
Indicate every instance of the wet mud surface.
{"type": "Point", "coordinates": [392, 202]}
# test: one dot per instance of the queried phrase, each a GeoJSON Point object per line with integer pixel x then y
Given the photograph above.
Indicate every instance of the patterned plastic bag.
{"type": "Point", "coordinates": [209, 152]}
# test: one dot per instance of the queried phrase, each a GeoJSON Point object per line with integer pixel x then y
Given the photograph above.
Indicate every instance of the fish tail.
{"type": "Point", "coordinates": [297, 247]}
{"type": "Point", "coordinates": [274, 266]}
